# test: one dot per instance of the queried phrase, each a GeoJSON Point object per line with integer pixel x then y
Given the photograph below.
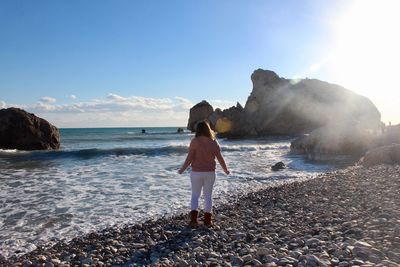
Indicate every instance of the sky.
{"type": "Point", "coordinates": [103, 63]}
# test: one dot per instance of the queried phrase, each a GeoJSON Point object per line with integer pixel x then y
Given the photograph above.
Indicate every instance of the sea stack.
{"type": "Point", "coordinates": [25, 131]}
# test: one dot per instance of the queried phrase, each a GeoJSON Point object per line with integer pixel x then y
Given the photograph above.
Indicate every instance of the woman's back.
{"type": "Point", "coordinates": [205, 149]}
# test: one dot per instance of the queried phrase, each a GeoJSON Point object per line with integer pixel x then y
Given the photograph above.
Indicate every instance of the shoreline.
{"type": "Point", "coordinates": [342, 218]}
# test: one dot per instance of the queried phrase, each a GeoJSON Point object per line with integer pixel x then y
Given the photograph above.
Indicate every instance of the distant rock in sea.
{"type": "Point", "coordinates": [25, 131]}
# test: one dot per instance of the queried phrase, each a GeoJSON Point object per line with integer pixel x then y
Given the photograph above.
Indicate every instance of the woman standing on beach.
{"type": "Point", "coordinates": [203, 150]}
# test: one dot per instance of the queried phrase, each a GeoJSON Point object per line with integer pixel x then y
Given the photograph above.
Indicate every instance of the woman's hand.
{"type": "Point", "coordinates": [227, 172]}
{"type": "Point", "coordinates": [180, 171]}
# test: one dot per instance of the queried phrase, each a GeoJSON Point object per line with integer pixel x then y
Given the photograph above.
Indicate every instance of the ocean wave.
{"type": "Point", "coordinates": [121, 151]}
{"type": "Point", "coordinates": [8, 150]}
{"type": "Point", "coordinates": [126, 137]}
{"type": "Point", "coordinates": [250, 148]}
{"type": "Point", "coordinates": [93, 152]}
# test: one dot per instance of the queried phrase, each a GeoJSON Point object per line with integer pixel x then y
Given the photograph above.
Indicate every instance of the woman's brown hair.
{"type": "Point", "coordinates": [203, 129]}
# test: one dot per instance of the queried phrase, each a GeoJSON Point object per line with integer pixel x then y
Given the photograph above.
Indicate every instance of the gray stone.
{"type": "Point", "coordinates": [247, 258]}
{"type": "Point", "coordinates": [357, 262]}
{"type": "Point", "coordinates": [312, 242]}
{"type": "Point", "coordinates": [389, 263]}
{"type": "Point", "coordinates": [286, 260]}
{"type": "Point", "coordinates": [237, 261]}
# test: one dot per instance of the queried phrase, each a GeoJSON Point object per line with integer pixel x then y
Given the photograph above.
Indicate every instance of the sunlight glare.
{"type": "Point", "coordinates": [366, 55]}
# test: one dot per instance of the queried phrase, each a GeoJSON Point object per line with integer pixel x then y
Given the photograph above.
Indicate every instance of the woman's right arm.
{"type": "Point", "coordinates": [189, 158]}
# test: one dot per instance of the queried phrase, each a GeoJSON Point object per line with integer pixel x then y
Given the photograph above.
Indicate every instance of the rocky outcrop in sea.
{"type": "Point", "coordinates": [327, 118]}
{"type": "Point", "coordinates": [279, 106]}
{"type": "Point", "coordinates": [25, 131]}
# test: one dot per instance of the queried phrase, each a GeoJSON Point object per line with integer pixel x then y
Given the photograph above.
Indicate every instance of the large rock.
{"type": "Point", "coordinates": [390, 135]}
{"type": "Point", "coordinates": [332, 140]}
{"type": "Point", "coordinates": [199, 112]}
{"type": "Point", "coordinates": [24, 131]}
{"type": "Point", "coordinates": [389, 154]}
{"type": "Point", "coordinates": [279, 106]}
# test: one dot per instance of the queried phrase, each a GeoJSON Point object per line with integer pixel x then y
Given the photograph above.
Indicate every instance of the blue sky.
{"type": "Point", "coordinates": [74, 62]}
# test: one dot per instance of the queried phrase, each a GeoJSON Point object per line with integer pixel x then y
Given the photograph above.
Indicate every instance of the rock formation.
{"type": "Point", "coordinates": [24, 131]}
{"type": "Point", "coordinates": [199, 112]}
{"type": "Point", "coordinates": [279, 106]}
{"type": "Point", "coordinates": [389, 154]}
{"type": "Point", "coordinates": [336, 120]}
{"type": "Point", "coordinates": [334, 139]}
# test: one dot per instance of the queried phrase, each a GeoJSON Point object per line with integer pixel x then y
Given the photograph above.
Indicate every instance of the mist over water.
{"type": "Point", "coordinates": [104, 177]}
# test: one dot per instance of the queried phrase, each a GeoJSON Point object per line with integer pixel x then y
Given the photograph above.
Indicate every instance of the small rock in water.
{"type": "Point", "coordinates": [278, 166]}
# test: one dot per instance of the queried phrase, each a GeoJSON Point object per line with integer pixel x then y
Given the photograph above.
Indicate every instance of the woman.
{"type": "Point", "coordinates": [203, 150]}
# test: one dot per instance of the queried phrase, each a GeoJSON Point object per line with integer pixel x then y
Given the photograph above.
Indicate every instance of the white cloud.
{"type": "Point", "coordinates": [3, 104]}
{"type": "Point", "coordinates": [185, 103]}
{"type": "Point", "coordinates": [222, 104]}
{"type": "Point", "coordinates": [116, 98]}
{"type": "Point", "coordinates": [73, 97]}
{"type": "Point", "coordinates": [115, 110]}
{"type": "Point", "coordinates": [47, 99]}
{"type": "Point", "coordinates": [136, 102]}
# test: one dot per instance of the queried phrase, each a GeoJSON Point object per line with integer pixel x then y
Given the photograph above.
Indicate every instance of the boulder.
{"type": "Point", "coordinates": [331, 140]}
{"type": "Point", "coordinates": [25, 131]}
{"type": "Point", "coordinates": [278, 166]}
{"type": "Point", "coordinates": [388, 154]}
{"type": "Point", "coordinates": [200, 111]}
{"type": "Point", "coordinates": [279, 106]}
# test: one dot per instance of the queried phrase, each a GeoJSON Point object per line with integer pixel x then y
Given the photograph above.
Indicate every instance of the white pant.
{"type": "Point", "coordinates": [206, 181]}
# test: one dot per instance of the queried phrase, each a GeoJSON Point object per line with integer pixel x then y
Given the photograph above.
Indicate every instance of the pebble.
{"type": "Point", "coordinates": [247, 258]}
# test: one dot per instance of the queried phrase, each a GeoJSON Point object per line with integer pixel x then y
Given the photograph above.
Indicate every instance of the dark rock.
{"type": "Point", "coordinates": [200, 111]}
{"type": "Point", "coordinates": [25, 131]}
{"type": "Point", "coordinates": [278, 166]}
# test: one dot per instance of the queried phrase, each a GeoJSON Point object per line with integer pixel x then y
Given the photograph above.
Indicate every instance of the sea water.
{"type": "Point", "coordinates": [112, 176]}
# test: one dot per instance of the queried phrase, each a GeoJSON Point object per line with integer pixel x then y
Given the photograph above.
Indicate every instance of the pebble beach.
{"type": "Point", "coordinates": [348, 217]}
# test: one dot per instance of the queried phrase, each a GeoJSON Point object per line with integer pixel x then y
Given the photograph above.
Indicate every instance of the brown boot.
{"type": "Point", "coordinates": [207, 219]}
{"type": "Point", "coordinates": [193, 219]}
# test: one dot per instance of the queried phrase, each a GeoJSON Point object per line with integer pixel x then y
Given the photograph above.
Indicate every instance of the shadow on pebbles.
{"type": "Point", "coordinates": [345, 218]}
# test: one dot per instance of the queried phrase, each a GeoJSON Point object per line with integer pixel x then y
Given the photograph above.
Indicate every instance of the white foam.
{"type": "Point", "coordinates": [8, 150]}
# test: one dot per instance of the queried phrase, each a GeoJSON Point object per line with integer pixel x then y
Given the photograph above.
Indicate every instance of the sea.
{"type": "Point", "coordinates": [104, 177]}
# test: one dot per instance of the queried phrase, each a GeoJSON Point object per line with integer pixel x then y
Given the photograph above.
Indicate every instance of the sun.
{"type": "Point", "coordinates": [366, 49]}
